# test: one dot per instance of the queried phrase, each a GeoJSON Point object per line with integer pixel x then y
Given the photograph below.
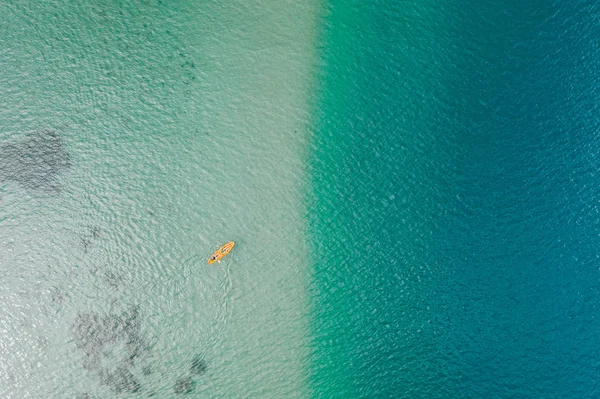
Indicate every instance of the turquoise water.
{"type": "Point", "coordinates": [455, 201]}
{"type": "Point", "coordinates": [412, 187]}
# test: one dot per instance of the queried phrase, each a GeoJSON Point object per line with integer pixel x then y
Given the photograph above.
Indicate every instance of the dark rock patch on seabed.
{"type": "Point", "coordinates": [36, 162]}
{"type": "Point", "coordinates": [122, 380]}
{"type": "Point", "coordinates": [198, 366]}
{"type": "Point", "coordinates": [118, 354]}
{"type": "Point", "coordinates": [113, 279]}
{"type": "Point", "coordinates": [57, 297]}
{"type": "Point", "coordinates": [183, 385]}
{"type": "Point", "coordinates": [87, 240]}
{"type": "Point", "coordinates": [113, 346]}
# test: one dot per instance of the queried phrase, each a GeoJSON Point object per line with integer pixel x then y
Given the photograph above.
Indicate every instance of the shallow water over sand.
{"type": "Point", "coordinates": [169, 130]}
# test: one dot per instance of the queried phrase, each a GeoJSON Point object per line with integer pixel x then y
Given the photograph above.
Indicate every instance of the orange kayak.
{"type": "Point", "coordinates": [221, 252]}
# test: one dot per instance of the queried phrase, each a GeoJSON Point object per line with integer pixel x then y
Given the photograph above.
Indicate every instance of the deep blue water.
{"type": "Point", "coordinates": [455, 200]}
